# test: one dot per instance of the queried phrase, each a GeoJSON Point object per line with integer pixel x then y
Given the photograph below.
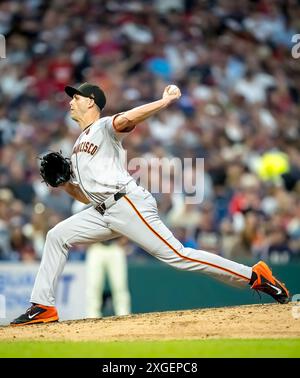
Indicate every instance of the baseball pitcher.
{"type": "Point", "coordinates": [119, 206]}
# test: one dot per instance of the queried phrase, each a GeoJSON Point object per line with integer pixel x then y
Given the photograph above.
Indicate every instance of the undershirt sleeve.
{"type": "Point", "coordinates": [120, 135]}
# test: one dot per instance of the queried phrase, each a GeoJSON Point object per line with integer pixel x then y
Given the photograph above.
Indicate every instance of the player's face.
{"type": "Point", "coordinates": [79, 106]}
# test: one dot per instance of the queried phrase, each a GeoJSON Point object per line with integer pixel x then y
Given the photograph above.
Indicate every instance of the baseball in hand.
{"type": "Point", "coordinates": [173, 89]}
{"type": "Point", "coordinates": [171, 93]}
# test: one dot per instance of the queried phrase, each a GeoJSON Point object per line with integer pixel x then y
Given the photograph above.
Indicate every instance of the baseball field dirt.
{"type": "Point", "coordinates": [245, 322]}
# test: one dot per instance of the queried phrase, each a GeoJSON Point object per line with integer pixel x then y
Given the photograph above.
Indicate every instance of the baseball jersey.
{"type": "Point", "coordinates": [99, 160]}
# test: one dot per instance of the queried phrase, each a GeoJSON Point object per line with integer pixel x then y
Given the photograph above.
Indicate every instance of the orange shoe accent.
{"type": "Point", "coordinates": [267, 283]}
{"type": "Point", "coordinates": [262, 270]}
{"type": "Point", "coordinates": [37, 314]}
{"type": "Point", "coordinates": [36, 321]}
{"type": "Point", "coordinates": [174, 250]}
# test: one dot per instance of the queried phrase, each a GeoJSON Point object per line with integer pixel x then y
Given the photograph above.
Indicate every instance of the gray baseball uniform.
{"type": "Point", "coordinates": [99, 167]}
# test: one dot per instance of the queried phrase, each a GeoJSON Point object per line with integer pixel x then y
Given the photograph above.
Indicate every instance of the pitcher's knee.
{"type": "Point", "coordinates": [55, 235]}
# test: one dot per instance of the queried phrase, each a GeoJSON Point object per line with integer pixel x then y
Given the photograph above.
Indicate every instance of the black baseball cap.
{"type": "Point", "coordinates": [88, 90]}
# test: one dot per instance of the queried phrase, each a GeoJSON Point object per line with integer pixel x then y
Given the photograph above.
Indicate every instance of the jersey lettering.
{"type": "Point", "coordinates": [94, 150]}
{"type": "Point", "coordinates": [88, 147]}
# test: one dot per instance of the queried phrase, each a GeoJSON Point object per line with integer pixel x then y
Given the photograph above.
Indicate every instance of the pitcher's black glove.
{"type": "Point", "coordinates": [55, 169]}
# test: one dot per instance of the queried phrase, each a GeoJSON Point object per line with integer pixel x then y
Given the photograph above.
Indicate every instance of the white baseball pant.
{"type": "Point", "coordinates": [101, 261]}
{"type": "Point", "coordinates": [135, 216]}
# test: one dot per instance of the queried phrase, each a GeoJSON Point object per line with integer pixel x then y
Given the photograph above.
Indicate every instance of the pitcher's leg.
{"type": "Point", "coordinates": [82, 228]}
{"type": "Point", "coordinates": [144, 227]}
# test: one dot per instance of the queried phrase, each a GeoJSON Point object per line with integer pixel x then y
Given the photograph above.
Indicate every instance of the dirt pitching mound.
{"type": "Point", "coordinates": [254, 321]}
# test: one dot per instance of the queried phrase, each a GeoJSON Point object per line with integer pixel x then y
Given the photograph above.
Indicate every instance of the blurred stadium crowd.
{"type": "Point", "coordinates": [239, 111]}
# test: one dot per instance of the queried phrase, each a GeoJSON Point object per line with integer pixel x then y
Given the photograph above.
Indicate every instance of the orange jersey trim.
{"type": "Point", "coordinates": [174, 250]}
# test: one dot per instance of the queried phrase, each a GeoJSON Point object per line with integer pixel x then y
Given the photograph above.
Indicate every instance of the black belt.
{"type": "Point", "coordinates": [101, 208]}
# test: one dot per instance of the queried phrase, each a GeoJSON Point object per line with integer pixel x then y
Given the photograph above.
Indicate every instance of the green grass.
{"type": "Point", "coordinates": [188, 348]}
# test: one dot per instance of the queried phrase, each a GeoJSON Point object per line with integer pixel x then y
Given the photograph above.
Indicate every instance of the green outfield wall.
{"type": "Point", "coordinates": [157, 287]}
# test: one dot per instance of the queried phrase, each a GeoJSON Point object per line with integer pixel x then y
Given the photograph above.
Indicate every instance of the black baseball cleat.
{"type": "Point", "coordinates": [263, 280]}
{"type": "Point", "coordinates": [36, 314]}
